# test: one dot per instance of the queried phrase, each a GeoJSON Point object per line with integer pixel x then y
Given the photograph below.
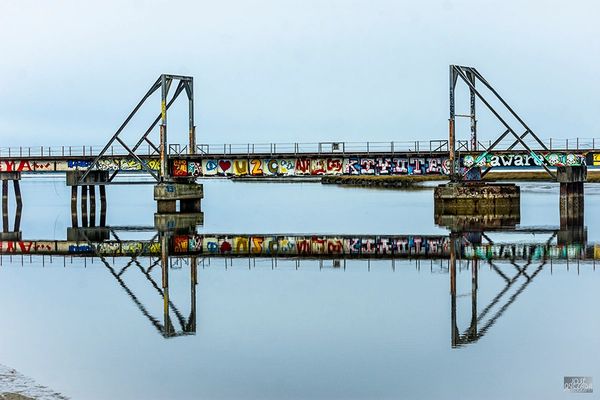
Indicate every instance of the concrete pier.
{"type": "Point", "coordinates": [572, 180]}
{"type": "Point", "coordinates": [477, 198]}
{"type": "Point", "coordinates": [475, 223]}
{"type": "Point", "coordinates": [178, 205]}
{"type": "Point", "coordinates": [93, 234]}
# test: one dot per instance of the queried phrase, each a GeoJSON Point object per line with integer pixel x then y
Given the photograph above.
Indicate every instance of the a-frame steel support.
{"type": "Point", "coordinates": [470, 76]}
{"type": "Point", "coordinates": [163, 83]}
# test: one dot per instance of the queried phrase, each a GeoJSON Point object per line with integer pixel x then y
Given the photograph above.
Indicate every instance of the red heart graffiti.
{"type": "Point", "coordinates": [224, 165]}
{"type": "Point", "coordinates": [225, 247]}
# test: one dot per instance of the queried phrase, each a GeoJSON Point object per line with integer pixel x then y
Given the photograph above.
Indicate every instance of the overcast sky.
{"type": "Point", "coordinates": [284, 70]}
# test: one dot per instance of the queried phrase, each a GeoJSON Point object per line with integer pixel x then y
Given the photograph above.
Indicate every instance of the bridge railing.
{"type": "Point", "coordinates": [298, 148]}
{"type": "Point", "coordinates": [577, 144]}
{"type": "Point", "coordinates": [69, 151]}
{"type": "Point", "coordinates": [432, 146]}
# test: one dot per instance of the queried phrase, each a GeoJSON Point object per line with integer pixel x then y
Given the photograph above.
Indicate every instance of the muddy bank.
{"type": "Point", "coordinates": [16, 386]}
{"type": "Point", "coordinates": [405, 181]}
{"type": "Point", "coordinates": [400, 181]}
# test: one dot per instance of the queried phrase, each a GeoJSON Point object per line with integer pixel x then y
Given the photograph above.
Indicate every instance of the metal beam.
{"type": "Point", "coordinates": [506, 125]}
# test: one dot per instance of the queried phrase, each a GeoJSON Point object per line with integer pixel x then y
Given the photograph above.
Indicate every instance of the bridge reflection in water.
{"type": "Point", "coordinates": [516, 262]}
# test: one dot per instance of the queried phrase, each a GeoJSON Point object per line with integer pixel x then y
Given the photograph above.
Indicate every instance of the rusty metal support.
{"type": "Point", "coordinates": [164, 150]}
{"type": "Point", "coordinates": [451, 125]}
{"type": "Point", "coordinates": [469, 75]}
{"type": "Point", "coordinates": [189, 88]}
{"type": "Point", "coordinates": [163, 82]}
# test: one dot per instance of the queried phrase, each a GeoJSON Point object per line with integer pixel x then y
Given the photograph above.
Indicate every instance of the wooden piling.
{"type": "Point", "coordinates": [5, 205]}
{"type": "Point", "coordinates": [84, 208]}
{"type": "Point", "coordinates": [19, 204]}
{"type": "Point", "coordinates": [74, 206]}
{"type": "Point", "coordinates": [102, 189]}
{"type": "Point", "coordinates": [92, 190]}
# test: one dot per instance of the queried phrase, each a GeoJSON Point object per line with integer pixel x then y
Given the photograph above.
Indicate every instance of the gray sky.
{"type": "Point", "coordinates": [284, 70]}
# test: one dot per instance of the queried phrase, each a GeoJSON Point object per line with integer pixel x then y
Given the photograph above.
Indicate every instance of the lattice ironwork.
{"type": "Point", "coordinates": [470, 76]}
{"type": "Point", "coordinates": [164, 83]}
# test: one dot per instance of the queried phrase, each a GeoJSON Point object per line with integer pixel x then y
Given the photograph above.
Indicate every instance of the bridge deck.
{"type": "Point", "coordinates": [306, 247]}
{"type": "Point", "coordinates": [292, 159]}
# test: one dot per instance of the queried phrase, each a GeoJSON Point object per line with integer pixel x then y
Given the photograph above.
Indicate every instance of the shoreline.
{"type": "Point", "coordinates": [407, 181]}
{"type": "Point", "coordinates": [16, 386]}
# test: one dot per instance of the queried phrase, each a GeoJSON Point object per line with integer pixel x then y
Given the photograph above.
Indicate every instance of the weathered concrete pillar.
{"type": "Point", "coordinates": [571, 181]}
{"type": "Point", "coordinates": [188, 195]}
{"type": "Point", "coordinates": [572, 228]}
{"type": "Point", "coordinates": [474, 206]}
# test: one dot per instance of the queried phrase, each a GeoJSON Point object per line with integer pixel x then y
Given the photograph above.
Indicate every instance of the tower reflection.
{"type": "Point", "coordinates": [516, 263]}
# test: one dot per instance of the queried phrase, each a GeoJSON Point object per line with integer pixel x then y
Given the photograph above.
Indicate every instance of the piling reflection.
{"type": "Point", "coordinates": [8, 232]}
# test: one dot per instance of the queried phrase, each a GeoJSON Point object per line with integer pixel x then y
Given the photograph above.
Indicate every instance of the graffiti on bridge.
{"type": "Point", "coordinates": [306, 246]}
{"type": "Point", "coordinates": [525, 251]}
{"type": "Point", "coordinates": [311, 245]}
{"type": "Point", "coordinates": [311, 166]}
{"type": "Point", "coordinates": [524, 160]}
{"type": "Point", "coordinates": [302, 166]}
{"type": "Point", "coordinates": [105, 164]}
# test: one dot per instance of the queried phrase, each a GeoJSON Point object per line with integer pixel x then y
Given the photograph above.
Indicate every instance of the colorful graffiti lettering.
{"type": "Point", "coordinates": [209, 167]}
{"type": "Point", "coordinates": [335, 166]}
{"type": "Point", "coordinates": [256, 167]}
{"type": "Point", "coordinates": [271, 167]}
{"type": "Point", "coordinates": [240, 167]}
{"type": "Point", "coordinates": [194, 168]}
{"type": "Point", "coordinates": [78, 164]}
{"type": "Point", "coordinates": [302, 166]}
{"type": "Point", "coordinates": [306, 246]}
{"type": "Point", "coordinates": [180, 168]}
{"type": "Point", "coordinates": [108, 164]}
{"type": "Point", "coordinates": [524, 160]}
{"type": "Point", "coordinates": [317, 166]}
{"type": "Point", "coordinates": [293, 245]}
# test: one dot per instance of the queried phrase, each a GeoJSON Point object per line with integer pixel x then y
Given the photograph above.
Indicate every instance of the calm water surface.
{"type": "Point", "coordinates": [371, 330]}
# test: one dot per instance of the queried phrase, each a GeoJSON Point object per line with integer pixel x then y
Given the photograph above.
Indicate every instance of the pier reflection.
{"type": "Point", "coordinates": [515, 262]}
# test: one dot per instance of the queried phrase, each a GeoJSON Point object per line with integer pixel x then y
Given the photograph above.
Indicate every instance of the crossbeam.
{"type": "Point", "coordinates": [470, 76]}
{"type": "Point", "coordinates": [164, 82]}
